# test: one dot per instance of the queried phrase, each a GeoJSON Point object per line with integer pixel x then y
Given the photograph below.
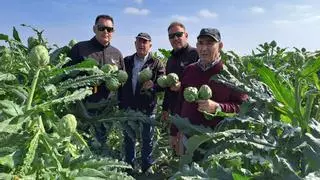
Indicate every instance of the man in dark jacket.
{"type": "Point", "coordinates": [134, 96]}
{"type": "Point", "coordinates": [181, 56]}
{"type": "Point", "coordinates": [100, 49]}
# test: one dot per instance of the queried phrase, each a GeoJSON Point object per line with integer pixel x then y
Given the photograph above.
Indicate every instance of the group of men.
{"type": "Point", "coordinates": [194, 66]}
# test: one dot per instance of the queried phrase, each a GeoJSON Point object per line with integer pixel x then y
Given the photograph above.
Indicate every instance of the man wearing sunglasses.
{"type": "Point", "coordinates": [100, 49]}
{"type": "Point", "coordinates": [181, 56]}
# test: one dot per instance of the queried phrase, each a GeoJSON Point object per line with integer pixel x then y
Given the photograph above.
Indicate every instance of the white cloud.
{"type": "Point", "coordinates": [282, 21]}
{"type": "Point", "coordinates": [296, 14]}
{"type": "Point", "coordinates": [308, 19]}
{"type": "Point", "coordinates": [257, 10]}
{"type": "Point", "coordinates": [185, 18]}
{"type": "Point", "coordinates": [302, 7]}
{"type": "Point", "coordinates": [207, 14]}
{"type": "Point", "coordinates": [138, 1]}
{"type": "Point", "coordinates": [136, 11]}
{"type": "Point", "coordinates": [311, 19]}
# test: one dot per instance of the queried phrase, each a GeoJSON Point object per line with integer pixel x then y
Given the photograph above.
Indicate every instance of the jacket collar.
{"type": "Point", "coordinates": [180, 51]}
{"type": "Point", "coordinates": [96, 43]}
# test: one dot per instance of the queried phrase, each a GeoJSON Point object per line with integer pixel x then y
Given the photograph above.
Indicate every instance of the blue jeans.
{"type": "Point", "coordinates": [147, 145]}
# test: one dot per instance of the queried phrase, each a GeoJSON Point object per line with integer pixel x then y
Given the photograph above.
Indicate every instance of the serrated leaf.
{"type": "Point", "coordinates": [310, 67]}
{"type": "Point", "coordinates": [31, 151]}
{"type": "Point", "coordinates": [9, 127]}
{"type": "Point", "coordinates": [7, 77]}
{"type": "Point", "coordinates": [88, 172]}
{"type": "Point", "coordinates": [7, 160]}
{"type": "Point", "coordinates": [10, 108]}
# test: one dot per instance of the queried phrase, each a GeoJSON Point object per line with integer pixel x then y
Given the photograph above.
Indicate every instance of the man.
{"type": "Point", "coordinates": [181, 56]}
{"type": "Point", "coordinates": [100, 49]}
{"type": "Point", "coordinates": [134, 96]}
{"type": "Point", "coordinates": [224, 98]}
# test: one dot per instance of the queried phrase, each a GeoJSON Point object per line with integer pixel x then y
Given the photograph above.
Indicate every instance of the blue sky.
{"type": "Point", "coordinates": [243, 23]}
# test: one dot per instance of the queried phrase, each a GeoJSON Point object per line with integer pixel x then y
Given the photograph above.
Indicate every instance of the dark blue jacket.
{"type": "Point", "coordinates": [144, 102]}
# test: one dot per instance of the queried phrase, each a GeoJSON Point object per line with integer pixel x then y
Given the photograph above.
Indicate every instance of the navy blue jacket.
{"type": "Point", "coordinates": [144, 102]}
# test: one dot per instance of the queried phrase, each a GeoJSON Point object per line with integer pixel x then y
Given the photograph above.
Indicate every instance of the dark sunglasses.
{"type": "Point", "coordinates": [178, 34]}
{"type": "Point", "coordinates": [103, 28]}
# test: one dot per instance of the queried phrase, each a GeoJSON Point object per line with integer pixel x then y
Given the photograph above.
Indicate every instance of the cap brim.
{"type": "Point", "coordinates": [209, 36]}
{"type": "Point", "coordinates": [143, 38]}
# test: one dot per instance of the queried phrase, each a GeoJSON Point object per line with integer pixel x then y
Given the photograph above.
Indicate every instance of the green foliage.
{"type": "Point", "coordinates": [32, 103]}
{"type": "Point", "coordinates": [275, 135]}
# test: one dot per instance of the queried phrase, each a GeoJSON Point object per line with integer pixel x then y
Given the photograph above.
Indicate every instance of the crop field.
{"type": "Point", "coordinates": [47, 132]}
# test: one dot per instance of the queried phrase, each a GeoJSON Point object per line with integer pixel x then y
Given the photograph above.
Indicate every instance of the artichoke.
{"type": "Point", "coordinates": [190, 94]}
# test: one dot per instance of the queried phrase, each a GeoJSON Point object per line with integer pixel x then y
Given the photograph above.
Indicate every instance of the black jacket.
{"type": "Point", "coordinates": [144, 102]}
{"type": "Point", "coordinates": [176, 64]}
{"type": "Point", "coordinates": [103, 54]}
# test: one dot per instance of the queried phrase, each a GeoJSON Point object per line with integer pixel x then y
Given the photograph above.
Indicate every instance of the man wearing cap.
{"type": "Point", "coordinates": [133, 96]}
{"type": "Point", "coordinates": [224, 98]}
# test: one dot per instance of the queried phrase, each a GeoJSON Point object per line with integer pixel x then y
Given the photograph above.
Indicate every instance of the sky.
{"type": "Point", "coordinates": [244, 24]}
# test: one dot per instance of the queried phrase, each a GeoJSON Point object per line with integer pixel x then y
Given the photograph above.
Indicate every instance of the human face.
{"type": "Point", "coordinates": [179, 37]}
{"type": "Point", "coordinates": [104, 31]}
{"type": "Point", "coordinates": [142, 46]}
{"type": "Point", "coordinates": [208, 49]}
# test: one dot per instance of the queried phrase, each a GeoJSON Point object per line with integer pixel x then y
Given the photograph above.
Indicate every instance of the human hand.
{"type": "Point", "coordinates": [176, 87]}
{"type": "Point", "coordinates": [173, 141]}
{"type": "Point", "coordinates": [165, 116]}
{"type": "Point", "coordinates": [147, 85]}
{"type": "Point", "coordinates": [208, 106]}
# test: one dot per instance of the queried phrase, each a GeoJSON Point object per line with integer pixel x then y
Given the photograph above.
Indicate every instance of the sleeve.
{"type": "Point", "coordinates": [122, 64]}
{"type": "Point", "coordinates": [233, 105]}
{"type": "Point", "coordinates": [173, 129]}
{"type": "Point", "coordinates": [74, 55]}
{"type": "Point", "coordinates": [160, 71]}
{"type": "Point", "coordinates": [120, 90]}
{"type": "Point", "coordinates": [165, 103]}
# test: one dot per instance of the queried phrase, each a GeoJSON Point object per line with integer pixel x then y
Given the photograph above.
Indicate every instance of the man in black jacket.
{"type": "Point", "coordinates": [181, 56]}
{"type": "Point", "coordinates": [100, 49]}
{"type": "Point", "coordinates": [141, 96]}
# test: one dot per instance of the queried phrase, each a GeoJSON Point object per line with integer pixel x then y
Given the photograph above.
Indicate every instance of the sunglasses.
{"type": "Point", "coordinates": [103, 28]}
{"type": "Point", "coordinates": [178, 34]}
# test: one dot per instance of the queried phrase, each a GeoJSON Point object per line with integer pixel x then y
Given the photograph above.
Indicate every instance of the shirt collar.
{"type": "Point", "coordinates": [144, 59]}
{"type": "Point", "coordinates": [205, 67]}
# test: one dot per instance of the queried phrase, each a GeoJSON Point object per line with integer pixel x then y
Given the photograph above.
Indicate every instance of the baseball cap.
{"type": "Point", "coordinates": [145, 36]}
{"type": "Point", "coordinates": [212, 32]}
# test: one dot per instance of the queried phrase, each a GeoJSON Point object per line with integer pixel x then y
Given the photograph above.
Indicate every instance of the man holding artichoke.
{"type": "Point", "coordinates": [139, 94]}
{"type": "Point", "coordinates": [201, 98]}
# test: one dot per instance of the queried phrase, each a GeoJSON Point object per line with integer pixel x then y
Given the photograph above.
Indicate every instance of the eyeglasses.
{"type": "Point", "coordinates": [103, 28]}
{"type": "Point", "coordinates": [178, 34]}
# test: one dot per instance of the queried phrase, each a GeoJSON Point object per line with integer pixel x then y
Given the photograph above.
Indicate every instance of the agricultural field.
{"type": "Point", "coordinates": [45, 134]}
